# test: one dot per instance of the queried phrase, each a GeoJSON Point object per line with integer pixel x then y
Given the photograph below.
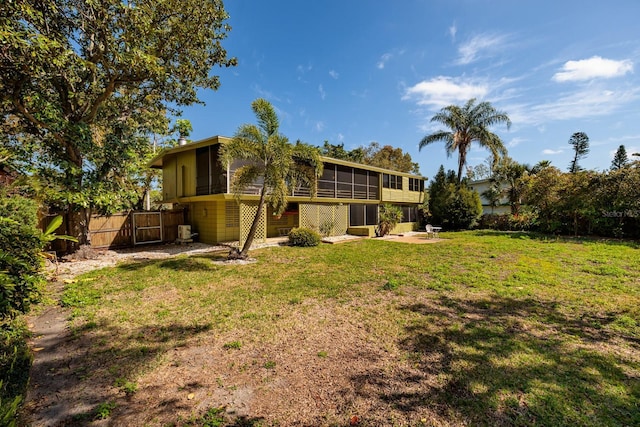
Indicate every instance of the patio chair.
{"type": "Point", "coordinates": [430, 232]}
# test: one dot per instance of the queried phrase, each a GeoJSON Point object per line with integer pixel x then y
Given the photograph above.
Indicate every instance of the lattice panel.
{"type": "Point", "coordinates": [248, 212]}
{"type": "Point", "coordinates": [314, 216]}
{"type": "Point", "coordinates": [308, 216]}
{"type": "Point", "coordinates": [325, 218]}
{"type": "Point", "coordinates": [341, 220]}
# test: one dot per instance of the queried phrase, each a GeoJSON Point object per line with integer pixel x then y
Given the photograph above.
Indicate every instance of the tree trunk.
{"type": "Point", "coordinates": [78, 226]}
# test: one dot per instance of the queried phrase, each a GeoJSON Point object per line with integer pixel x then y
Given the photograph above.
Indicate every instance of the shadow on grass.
{"type": "Point", "coordinates": [501, 361]}
{"type": "Point", "coordinates": [196, 262]}
{"type": "Point", "coordinates": [96, 358]}
{"type": "Point", "coordinates": [558, 238]}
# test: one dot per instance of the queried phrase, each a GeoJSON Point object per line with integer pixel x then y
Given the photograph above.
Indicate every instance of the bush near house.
{"type": "Point", "coordinates": [304, 237]}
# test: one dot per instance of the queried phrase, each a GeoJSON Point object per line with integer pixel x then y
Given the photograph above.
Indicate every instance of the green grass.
{"type": "Point", "coordinates": [511, 328]}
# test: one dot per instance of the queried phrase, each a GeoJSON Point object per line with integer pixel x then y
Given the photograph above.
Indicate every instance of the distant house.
{"type": "Point", "coordinates": [483, 185]}
{"type": "Point", "coordinates": [347, 200]}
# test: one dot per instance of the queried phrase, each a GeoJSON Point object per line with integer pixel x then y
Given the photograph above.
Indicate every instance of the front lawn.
{"type": "Point", "coordinates": [484, 328]}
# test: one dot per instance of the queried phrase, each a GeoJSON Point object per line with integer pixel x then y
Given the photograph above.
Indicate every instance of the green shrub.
{"type": "Point", "coordinates": [303, 237]}
{"type": "Point", "coordinates": [390, 216]}
{"type": "Point", "coordinates": [15, 361]}
{"type": "Point", "coordinates": [21, 258]}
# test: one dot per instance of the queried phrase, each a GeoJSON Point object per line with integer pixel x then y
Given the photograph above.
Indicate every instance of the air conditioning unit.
{"type": "Point", "coordinates": [184, 232]}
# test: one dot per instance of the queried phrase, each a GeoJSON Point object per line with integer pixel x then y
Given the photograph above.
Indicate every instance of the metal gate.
{"type": "Point", "coordinates": [147, 227]}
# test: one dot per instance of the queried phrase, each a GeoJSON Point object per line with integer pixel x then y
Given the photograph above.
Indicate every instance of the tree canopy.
{"type": "Point", "coordinates": [386, 157]}
{"type": "Point", "coordinates": [466, 125]}
{"type": "Point", "coordinates": [83, 83]}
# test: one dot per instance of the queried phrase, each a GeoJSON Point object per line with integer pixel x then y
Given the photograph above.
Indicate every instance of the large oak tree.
{"type": "Point", "coordinates": [83, 82]}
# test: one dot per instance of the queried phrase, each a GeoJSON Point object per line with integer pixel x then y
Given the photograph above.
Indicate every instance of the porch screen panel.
{"type": "Point", "coordinates": [202, 171]}
{"type": "Point", "coordinates": [360, 183]}
{"type": "Point", "coordinates": [218, 176]}
{"type": "Point", "coordinates": [374, 186]}
{"type": "Point", "coordinates": [344, 182]}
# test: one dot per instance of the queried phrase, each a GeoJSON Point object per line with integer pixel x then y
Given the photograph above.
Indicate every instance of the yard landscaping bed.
{"type": "Point", "coordinates": [483, 328]}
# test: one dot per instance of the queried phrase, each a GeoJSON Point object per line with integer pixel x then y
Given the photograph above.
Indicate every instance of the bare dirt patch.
{"type": "Point", "coordinates": [56, 394]}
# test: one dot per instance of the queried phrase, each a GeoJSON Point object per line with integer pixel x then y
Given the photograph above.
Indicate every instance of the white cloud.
{"type": "Point", "coordinates": [304, 68]}
{"type": "Point", "coordinates": [334, 74]}
{"type": "Point", "coordinates": [383, 60]}
{"type": "Point", "coordinates": [442, 91]}
{"type": "Point", "coordinates": [319, 126]}
{"type": "Point", "coordinates": [453, 30]}
{"type": "Point", "coordinates": [340, 137]}
{"type": "Point", "coordinates": [592, 101]}
{"type": "Point", "coordinates": [478, 46]}
{"type": "Point", "coordinates": [551, 152]}
{"type": "Point", "coordinates": [515, 142]}
{"type": "Point", "coordinates": [593, 68]}
{"type": "Point", "coordinates": [323, 94]}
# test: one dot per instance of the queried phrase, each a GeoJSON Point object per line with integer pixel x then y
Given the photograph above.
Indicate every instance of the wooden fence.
{"type": "Point", "coordinates": [126, 229]}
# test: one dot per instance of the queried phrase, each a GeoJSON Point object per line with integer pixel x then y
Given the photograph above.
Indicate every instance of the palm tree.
{"type": "Point", "coordinates": [468, 124]}
{"type": "Point", "coordinates": [511, 174]}
{"type": "Point", "coordinates": [272, 162]}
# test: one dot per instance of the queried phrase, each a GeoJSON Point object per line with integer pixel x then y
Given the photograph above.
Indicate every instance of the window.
{"type": "Point", "coordinates": [360, 214]}
{"type": "Point", "coordinates": [392, 181]}
{"type": "Point", "coordinates": [416, 184]}
{"type": "Point", "coordinates": [409, 213]}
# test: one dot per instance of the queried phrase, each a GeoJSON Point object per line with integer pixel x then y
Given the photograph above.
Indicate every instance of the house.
{"type": "Point", "coordinates": [502, 204]}
{"type": "Point", "coordinates": [347, 200]}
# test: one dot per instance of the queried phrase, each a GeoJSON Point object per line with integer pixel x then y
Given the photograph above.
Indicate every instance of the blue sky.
{"type": "Point", "coordinates": [356, 71]}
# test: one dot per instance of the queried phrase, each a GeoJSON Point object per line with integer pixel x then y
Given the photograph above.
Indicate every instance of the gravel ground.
{"type": "Point", "coordinates": [93, 259]}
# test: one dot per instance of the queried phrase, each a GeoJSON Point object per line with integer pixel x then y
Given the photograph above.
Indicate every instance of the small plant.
{"type": "Point", "coordinates": [269, 364]}
{"type": "Point", "coordinates": [322, 354]}
{"type": "Point", "coordinates": [304, 237]}
{"type": "Point", "coordinates": [326, 228]}
{"type": "Point", "coordinates": [235, 345]}
{"type": "Point", "coordinates": [103, 411]}
{"type": "Point", "coordinates": [128, 387]}
{"type": "Point", "coordinates": [214, 417]}
{"type": "Point", "coordinates": [391, 285]}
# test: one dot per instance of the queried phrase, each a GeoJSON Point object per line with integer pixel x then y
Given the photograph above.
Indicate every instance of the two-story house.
{"type": "Point", "coordinates": [347, 199]}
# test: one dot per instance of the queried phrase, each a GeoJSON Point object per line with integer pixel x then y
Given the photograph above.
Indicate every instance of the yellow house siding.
{"type": "Point", "coordinates": [390, 195]}
{"type": "Point", "coordinates": [215, 221]}
{"type": "Point", "coordinates": [169, 179]}
{"type": "Point", "coordinates": [186, 173]}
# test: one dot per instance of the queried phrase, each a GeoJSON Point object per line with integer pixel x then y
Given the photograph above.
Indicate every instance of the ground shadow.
{"type": "Point", "coordinates": [88, 370]}
{"type": "Point", "coordinates": [196, 262]}
{"type": "Point", "coordinates": [501, 361]}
